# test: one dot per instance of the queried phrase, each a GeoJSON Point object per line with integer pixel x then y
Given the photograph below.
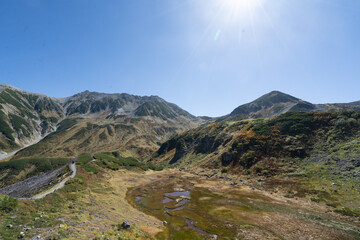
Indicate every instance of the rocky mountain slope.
{"type": "Point", "coordinates": [308, 152]}
{"type": "Point", "coordinates": [26, 117]}
{"type": "Point", "coordinates": [289, 162]}
{"type": "Point", "coordinates": [88, 120]}
{"type": "Point", "coordinates": [134, 125]}
{"type": "Point", "coordinates": [244, 144]}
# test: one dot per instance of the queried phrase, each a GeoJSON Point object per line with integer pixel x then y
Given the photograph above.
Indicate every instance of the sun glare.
{"type": "Point", "coordinates": [241, 5]}
{"type": "Point", "coordinates": [239, 10]}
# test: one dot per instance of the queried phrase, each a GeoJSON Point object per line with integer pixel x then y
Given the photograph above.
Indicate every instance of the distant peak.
{"type": "Point", "coordinates": [87, 92]}
{"type": "Point", "coordinates": [5, 86]}
{"type": "Point", "coordinates": [279, 95]}
{"type": "Point", "coordinates": [266, 105]}
{"type": "Point", "coordinates": [276, 92]}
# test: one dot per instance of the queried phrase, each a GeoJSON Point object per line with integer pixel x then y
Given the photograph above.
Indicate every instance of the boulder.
{"type": "Point", "coordinates": [22, 235]}
{"type": "Point", "coordinates": [125, 225]}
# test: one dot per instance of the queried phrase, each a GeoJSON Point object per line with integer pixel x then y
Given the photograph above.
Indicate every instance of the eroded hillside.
{"type": "Point", "coordinates": [87, 121]}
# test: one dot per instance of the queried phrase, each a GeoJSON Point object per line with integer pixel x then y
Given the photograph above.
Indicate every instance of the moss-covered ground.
{"type": "Point", "coordinates": [237, 212]}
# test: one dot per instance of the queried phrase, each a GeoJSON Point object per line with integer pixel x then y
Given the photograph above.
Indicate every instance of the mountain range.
{"type": "Point", "coordinates": [88, 120]}
{"type": "Point", "coordinates": [133, 125]}
{"type": "Point", "coordinates": [246, 167]}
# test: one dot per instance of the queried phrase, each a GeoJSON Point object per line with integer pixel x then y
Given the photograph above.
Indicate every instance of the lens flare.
{"type": "Point", "coordinates": [242, 5]}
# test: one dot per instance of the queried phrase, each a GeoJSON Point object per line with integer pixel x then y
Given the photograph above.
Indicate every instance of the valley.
{"type": "Point", "coordinates": [179, 120]}
{"type": "Point", "coordinates": [276, 168]}
{"type": "Point", "coordinates": [94, 206]}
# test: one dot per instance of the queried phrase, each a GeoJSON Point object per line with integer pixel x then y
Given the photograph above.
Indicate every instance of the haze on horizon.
{"type": "Point", "coordinates": [207, 57]}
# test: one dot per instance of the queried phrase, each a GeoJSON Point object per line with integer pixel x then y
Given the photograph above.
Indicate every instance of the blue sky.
{"type": "Point", "coordinates": [207, 56]}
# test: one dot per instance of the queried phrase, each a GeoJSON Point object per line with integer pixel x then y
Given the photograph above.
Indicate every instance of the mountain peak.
{"type": "Point", "coordinates": [275, 97]}
{"type": "Point", "coordinates": [269, 105]}
{"type": "Point", "coordinates": [6, 86]}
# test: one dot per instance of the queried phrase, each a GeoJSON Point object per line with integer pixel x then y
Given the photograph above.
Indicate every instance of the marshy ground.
{"type": "Point", "coordinates": [216, 210]}
{"type": "Point", "coordinates": [93, 207]}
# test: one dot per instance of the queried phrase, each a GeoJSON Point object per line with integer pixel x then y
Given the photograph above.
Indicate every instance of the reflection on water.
{"type": "Point", "coordinates": [182, 202]}
{"type": "Point", "coordinates": [173, 209]}
{"type": "Point", "coordinates": [167, 200]}
{"type": "Point", "coordinates": [178, 194]}
{"type": "Point", "coordinates": [171, 205]}
{"type": "Point", "coordinates": [138, 199]}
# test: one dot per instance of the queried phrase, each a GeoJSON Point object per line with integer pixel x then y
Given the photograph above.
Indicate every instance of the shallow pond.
{"type": "Point", "coordinates": [192, 213]}
{"type": "Point", "coordinates": [213, 211]}
{"type": "Point", "coordinates": [178, 194]}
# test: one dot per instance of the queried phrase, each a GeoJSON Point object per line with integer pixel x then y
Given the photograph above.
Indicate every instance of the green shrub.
{"type": "Point", "coordinates": [129, 161]}
{"type": "Point", "coordinates": [7, 203]}
{"type": "Point", "coordinates": [262, 127]}
{"type": "Point", "coordinates": [258, 169]}
{"type": "Point", "coordinates": [116, 154]}
{"type": "Point", "coordinates": [66, 124]}
{"type": "Point", "coordinates": [317, 200]}
{"type": "Point", "coordinates": [41, 164]}
{"type": "Point", "coordinates": [84, 158]}
{"type": "Point", "coordinates": [53, 119]}
{"type": "Point", "coordinates": [78, 134]}
{"type": "Point", "coordinates": [113, 166]}
{"type": "Point", "coordinates": [103, 156]}
{"type": "Point", "coordinates": [5, 128]}
{"type": "Point", "coordinates": [78, 179]}
{"type": "Point", "coordinates": [347, 212]}
{"type": "Point", "coordinates": [247, 159]}
{"type": "Point", "coordinates": [289, 123]}
{"type": "Point", "coordinates": [293, 123]}
{"type": "Point", "coordinates": [90, 168]}
{"type": "Point", "coordinates": [10, 99]}
{"type": "Point", "coordinates": [107, 160]}
{"type": "Point", "coordinates": [19, 123]}
{"type": "Point", "coordinates": [332, 204]}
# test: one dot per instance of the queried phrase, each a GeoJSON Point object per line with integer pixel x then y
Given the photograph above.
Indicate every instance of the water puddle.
{"type": "Point", "coordinates": [190, 225]}
{"type": "Point", "coordinates": [178, 194]}
{"type": "Point", "coordinates": [182, 197]}
{"type": "Point", "coordinates": [167, 200]}
{"type": "Point", "coordinates": [139, 198]}
{"type": "Point", "coordinates": [171, 204]}
{"type": "Point", "coordinates": [182, 202]}
{"type": "Point", "coordinates": [174, 209]}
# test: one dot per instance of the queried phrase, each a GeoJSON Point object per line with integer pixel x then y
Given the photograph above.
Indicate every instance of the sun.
{"type": "Point", "coordinates": [236, 11]}
{"type": "Point", "coordinates": [241, 5]}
